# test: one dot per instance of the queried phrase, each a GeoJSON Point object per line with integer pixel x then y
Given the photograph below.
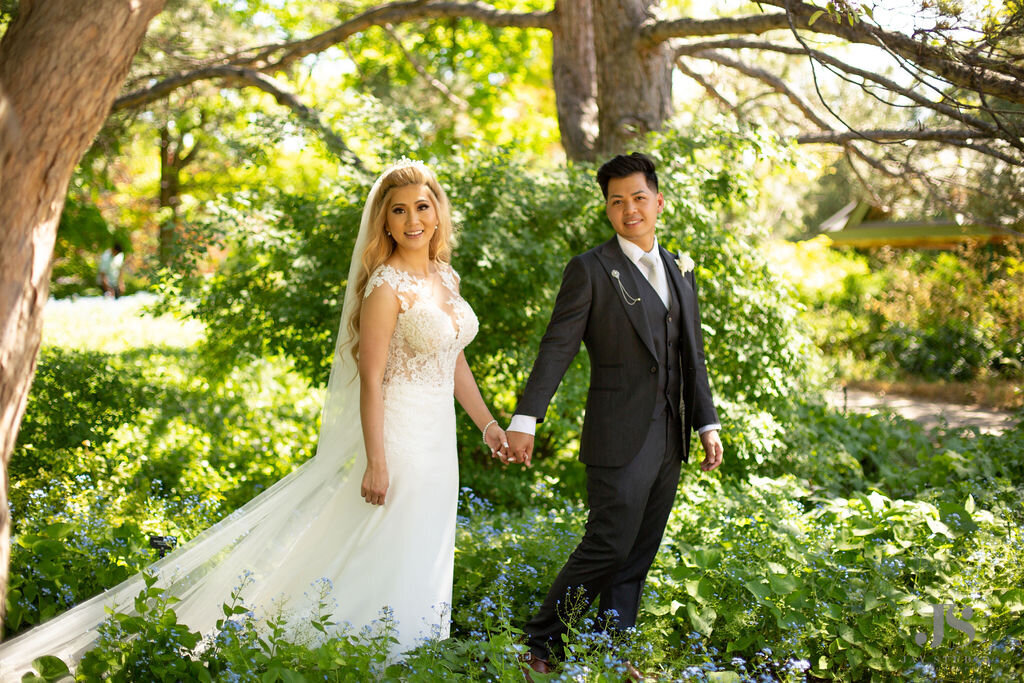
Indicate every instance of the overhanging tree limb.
{"type": "Point", "coordinates": [958, 66]}
{"type": "Point", "coordinates": [268, 59]}
{"type": "Point", "coordinates": [984, 128]}
{"type": "Point", "coordinates": [285, 54]}
{"type": "Point", "coordinates": [249, 77]}
{"type": "Point", "coordinates": [435, 83]}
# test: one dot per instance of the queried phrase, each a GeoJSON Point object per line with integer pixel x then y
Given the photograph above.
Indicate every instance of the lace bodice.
{"type": "Point", "coordinates": [434, 325]}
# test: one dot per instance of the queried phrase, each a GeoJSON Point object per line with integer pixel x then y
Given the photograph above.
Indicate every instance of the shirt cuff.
{"type": "Point", "coordinates": [524, 424]}
{"type": "Point", "coordinates": [707, 428]}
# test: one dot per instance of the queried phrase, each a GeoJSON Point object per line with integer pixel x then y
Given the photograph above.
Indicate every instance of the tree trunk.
{"type": "Point", "coordinates": [574, 75]}
{"type": "Point", "coordinates": [61, 64]}
{"type": "Point", "coordinates": [170, 191]}
{"type": "Point", "coordinates": [634, 84]}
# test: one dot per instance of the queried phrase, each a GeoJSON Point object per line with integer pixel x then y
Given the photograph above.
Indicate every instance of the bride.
{"type": "Point", "coordinates": [385, 539]}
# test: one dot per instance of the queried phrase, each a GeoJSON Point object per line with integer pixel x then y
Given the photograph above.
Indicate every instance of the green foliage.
{"type": "Point", "coordinates": [931, 315]}
{"type": "Point", "coordinates": [78, 398]}
{"type": "Point", "coordinates": [826, 564]}
{"type": "Point", "coordinates": [280, 289]}
{"type": "Point", "coordinates": [116, 447]}
{"type": "Point", "coordinates": [82, 235]}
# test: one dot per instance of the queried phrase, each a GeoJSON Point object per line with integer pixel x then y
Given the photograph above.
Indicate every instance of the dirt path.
{"type": "Point", "coordinates": [928, 413]}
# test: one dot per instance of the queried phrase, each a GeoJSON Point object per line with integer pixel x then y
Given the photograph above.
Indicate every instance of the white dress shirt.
{"type": "Point", "coordinates": [528, 424]}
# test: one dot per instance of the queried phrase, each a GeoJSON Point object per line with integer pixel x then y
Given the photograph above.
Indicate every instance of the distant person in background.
{"type": "Point", "coordinates": [111, 264]}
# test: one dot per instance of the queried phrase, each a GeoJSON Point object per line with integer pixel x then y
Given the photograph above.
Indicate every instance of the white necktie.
{"type": "Point", "coordinates": [655, 275]}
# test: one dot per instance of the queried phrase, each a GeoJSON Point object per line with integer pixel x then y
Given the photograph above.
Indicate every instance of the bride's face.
{"type": "Point", "coordinates": [411, 217]}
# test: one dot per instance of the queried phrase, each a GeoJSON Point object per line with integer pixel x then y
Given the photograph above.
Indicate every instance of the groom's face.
{"type": "Point", "coordinates": [633, 209]}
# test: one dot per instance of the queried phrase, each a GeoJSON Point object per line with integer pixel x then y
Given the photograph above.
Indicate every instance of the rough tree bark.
{"type": "Point", "coordinates": [634, 80]}
{"type": "Point", "coordinates": [574, 76]}
{"type": "Point", "coordinates": [62, 63]}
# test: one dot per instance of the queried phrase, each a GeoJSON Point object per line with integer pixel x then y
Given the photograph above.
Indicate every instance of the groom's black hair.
{"type": "Point", "coordinates": [623, 165]}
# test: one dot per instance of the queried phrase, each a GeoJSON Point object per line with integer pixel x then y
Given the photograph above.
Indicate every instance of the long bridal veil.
{"type": "Point", "coordinates": [278, 537]}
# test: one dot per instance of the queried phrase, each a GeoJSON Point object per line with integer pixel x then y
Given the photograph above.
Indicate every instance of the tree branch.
{"type": "Point", "coordinates": [769, 79]}
{"type": "Point", "coordinates": [825, 58]}
{"type": "Point", "coordinates": [392, 13]}
{"type": "Point", "coordinates": [241, 77]}
{"type": "Point", "coordinates": [433, 82]}
{"type": "Point", "coordinates": [271, 58]}
{"type": "Point", "coordinates": [706, 84]}
{"type": "Point", "coordinates": [947, 135]}
{"type": "Point", "coordinates": [964, 68]}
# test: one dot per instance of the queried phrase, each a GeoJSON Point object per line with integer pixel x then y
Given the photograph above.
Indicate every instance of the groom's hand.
{"type": "Point", "coordinates": [520, 446]}
{"type": "Point", "coordinates": [713, 450]}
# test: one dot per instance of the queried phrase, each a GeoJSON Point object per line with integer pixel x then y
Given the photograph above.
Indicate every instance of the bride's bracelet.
{"type": "Point", "coordinates": [488, 426]}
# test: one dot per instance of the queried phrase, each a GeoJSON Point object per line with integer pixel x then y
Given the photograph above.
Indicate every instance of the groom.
{"type": "Point", "coordinates": [635, 308]}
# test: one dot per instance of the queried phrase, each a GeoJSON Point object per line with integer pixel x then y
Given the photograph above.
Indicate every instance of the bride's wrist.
{"type": "Point", "coordinates": [486, 427]}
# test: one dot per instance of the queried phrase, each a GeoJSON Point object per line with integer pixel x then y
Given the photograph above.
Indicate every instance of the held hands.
{"type": "Point", "coordinates": [520, 447]}
{"type": "Point", "coordinates": [375, 484]}
{"type": "Point", "coordinates": [713, 450]}
{"type": "Point", "coordinates": [497, 441]}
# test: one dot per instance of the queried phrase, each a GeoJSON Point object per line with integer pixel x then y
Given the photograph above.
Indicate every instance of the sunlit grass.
{"type": "Point", "coordinates": [114, 325]}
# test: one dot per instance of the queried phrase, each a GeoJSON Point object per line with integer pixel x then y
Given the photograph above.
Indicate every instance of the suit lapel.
{"type": "Point", "coordinates": [683, 289]}
{"type": "Point", "coordinates": [614, 261]}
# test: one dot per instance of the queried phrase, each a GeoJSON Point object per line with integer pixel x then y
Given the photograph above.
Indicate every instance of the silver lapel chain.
{"type": "Point", "coordinates": [630, 300]}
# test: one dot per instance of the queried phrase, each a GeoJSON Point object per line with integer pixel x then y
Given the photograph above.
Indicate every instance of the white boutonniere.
{"type": "Point", "coordinates": [685, 263]}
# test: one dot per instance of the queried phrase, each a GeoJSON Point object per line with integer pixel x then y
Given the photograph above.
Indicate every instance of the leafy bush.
{"type": "Point", "coordinates": [828, 566]}
{"type": "Point", "coordinates": [118, 447]}
{"type": "Point", "coordinates": [949, 316]}
{"type": "Point", "coordinates": [82, 235]}
{"type": "Point", "coordinates": [78, 397]}
{"type": "Point", "coordinates": [280, 289]}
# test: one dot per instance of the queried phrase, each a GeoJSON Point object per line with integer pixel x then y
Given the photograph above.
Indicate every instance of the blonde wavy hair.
{"type": "Point", "coordinates": [380, 245]}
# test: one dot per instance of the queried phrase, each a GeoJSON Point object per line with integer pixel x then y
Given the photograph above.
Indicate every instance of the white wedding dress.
{"type": "Point", "coordinates": [313, 524]}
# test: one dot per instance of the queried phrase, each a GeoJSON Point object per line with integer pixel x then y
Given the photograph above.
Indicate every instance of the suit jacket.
{"type": "Point", "coordinates": [591, 308]}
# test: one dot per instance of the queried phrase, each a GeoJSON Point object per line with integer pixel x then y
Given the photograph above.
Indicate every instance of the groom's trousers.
{"type": "Point", "coordinates": [629, 507]}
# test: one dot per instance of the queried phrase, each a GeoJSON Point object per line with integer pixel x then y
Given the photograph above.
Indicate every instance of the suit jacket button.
{"type": "Point", "coordinates": [654, 369]}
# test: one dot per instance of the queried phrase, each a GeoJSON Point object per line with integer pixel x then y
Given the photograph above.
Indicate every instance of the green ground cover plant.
{"type": "Point", "coordinates": [824, 562]}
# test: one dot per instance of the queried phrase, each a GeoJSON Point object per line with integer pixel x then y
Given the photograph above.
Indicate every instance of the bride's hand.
{"type": "Point", "coordinates": [375, 485]}
{"type": "Point", "coordinates": [498, 443]}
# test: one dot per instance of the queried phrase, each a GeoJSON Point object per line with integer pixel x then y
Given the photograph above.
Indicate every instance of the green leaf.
{"type": "Point", "coordinates": [938, 527]}
{"type": "Point", "coordinates": [47, 548]}
{"type": "Point", "coordinates": [707, 558]}
{"type": "Point", "coordinates": [700, 590]}
{"type": "Point", "coordinates": [702, 620]}
{"type": "Point", "coordinates": [58, 530]}
{"type": "Point", "coordinates": [969, 504]}
{"type": "Point", "coordinates": [815, 17]}
{"type": "Point", "coordinates": [51, 668]}
{"type": "Point", "coordinates": [759, 589]}
{"type": "Point", "coordinates": [1012, 600]}
{"type": "Point", "coordinates": [783, 584]}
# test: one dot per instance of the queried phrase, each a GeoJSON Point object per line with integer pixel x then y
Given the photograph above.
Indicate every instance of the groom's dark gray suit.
{"type": "Point", "coordinates": [645, 357]}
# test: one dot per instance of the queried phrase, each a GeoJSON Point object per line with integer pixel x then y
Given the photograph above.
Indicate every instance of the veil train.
{"type": "Point", "coordinates": [278, 536]}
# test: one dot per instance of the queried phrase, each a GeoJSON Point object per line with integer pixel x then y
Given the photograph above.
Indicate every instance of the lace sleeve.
{"type": "Point", "coordinates": [395, 282]}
